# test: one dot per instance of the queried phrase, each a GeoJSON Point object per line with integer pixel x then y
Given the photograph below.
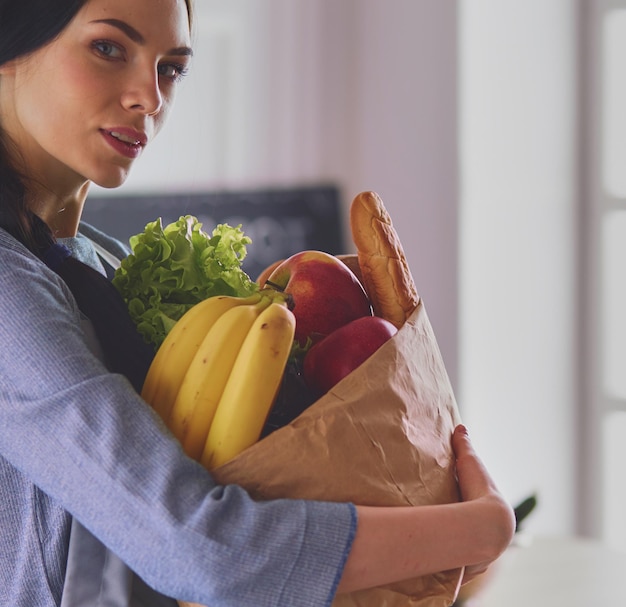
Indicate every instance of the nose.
{"type": "Point", "coordinates": [143, 93]}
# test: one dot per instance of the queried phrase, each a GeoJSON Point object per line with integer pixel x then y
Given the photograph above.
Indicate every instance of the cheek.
{"type": "Point", "coordinates": [161, 118]}
{"type": "Point", "coordinates": [65, 92]}
{"type": "Point", "coordinates": [81, 85]}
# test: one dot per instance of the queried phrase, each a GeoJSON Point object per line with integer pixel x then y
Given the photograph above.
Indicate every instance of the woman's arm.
{"type": "Point", "coordinates": [393, 544]}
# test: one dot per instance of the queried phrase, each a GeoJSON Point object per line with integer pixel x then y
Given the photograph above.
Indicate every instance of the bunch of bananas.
{"type": "Point", "coordinates": [216, 375]}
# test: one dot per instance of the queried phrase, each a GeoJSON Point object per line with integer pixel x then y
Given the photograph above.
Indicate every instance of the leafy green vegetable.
{"type": "Point", "coordinates": [170, 269]}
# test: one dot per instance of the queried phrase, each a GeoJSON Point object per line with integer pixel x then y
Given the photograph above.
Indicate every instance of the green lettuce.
{"type": "Point", "coordinates": [174, 267]}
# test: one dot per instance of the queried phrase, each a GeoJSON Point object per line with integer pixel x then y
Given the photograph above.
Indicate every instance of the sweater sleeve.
{"type": "Point", "coordinates": [89, 441]}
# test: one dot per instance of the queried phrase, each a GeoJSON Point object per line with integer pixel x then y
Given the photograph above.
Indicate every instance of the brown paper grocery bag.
{"type": "Point", "coordinates": [380, 437]}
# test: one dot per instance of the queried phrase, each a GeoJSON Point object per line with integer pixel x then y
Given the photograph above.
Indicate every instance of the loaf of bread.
{"type": "Point", "coordinates": [385, 272]}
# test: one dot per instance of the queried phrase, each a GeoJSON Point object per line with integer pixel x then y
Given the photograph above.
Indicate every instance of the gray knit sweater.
{"type": "Point", "coordinates": [77, 441]}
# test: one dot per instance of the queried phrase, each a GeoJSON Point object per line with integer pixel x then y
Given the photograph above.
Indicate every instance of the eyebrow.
{"type": "Point", "coordinates": [135, 36]}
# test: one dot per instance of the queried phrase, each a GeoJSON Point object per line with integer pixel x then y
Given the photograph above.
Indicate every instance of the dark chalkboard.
{"type": "Point", "coordinates": [279, 221]}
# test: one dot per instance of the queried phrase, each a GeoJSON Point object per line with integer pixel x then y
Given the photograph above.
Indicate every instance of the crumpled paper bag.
{"type": "Point", "coordinates": [379, 437]}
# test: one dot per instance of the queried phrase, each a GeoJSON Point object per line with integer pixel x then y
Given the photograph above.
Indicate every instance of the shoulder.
{"type": "Point", "coordinates": [16, 258]}
{"type": "Point", "coordinates": [9, 243]}
{"type": "Point", "coordinates": [112, 245]}
{"type": "Point", "coordinates": [26, 280]}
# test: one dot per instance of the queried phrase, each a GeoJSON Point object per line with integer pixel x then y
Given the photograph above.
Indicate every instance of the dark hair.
{"type": "Point", "coordinates": [25, 26]}
{"type": "Point", "coordinates": [28, 25]}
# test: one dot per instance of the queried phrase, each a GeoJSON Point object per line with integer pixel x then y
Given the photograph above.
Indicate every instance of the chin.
{"type": "Point", "coordinates": [110, 182]}
{"type": "Point", "coordinates": [108, 186]}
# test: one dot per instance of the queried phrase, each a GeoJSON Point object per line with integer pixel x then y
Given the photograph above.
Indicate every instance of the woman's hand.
{"type": "Point", "coordinates": [397, 543]}
{"type": "Point", "coordinates": [495, 520]}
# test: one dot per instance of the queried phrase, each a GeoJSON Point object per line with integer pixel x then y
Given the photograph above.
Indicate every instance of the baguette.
{"type": "Point", "coordinates": [384, 268]}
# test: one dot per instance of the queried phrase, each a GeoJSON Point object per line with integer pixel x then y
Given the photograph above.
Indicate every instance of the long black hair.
{"type": "Point", "coordinates": [25, 26]}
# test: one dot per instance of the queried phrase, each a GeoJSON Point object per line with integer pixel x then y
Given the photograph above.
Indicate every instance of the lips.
{"type": "Point", "coordinates": [125, 138]}
{"type": "Point", "coordinates": [125, 141]}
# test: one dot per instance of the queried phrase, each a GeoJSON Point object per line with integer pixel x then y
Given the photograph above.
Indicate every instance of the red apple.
{"type": "Point", "coordinates": [326, 293]}
{"type": "Point", "coordinates": [328, 361]}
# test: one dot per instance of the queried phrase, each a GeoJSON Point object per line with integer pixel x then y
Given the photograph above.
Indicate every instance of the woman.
{"type": "Point", "coordinates": [92, 487]}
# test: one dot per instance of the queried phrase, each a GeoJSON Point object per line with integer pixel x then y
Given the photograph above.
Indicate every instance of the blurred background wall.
{"type": "Point", "coordinates": [468, 119]}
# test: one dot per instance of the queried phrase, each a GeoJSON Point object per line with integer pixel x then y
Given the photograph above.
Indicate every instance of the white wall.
{"type": "Point", "coordinates": [518, 251]}
{"type": "Point", "coordinates": [403, 141]}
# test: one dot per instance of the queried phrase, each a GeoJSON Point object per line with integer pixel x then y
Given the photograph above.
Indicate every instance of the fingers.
{"type": "Point", "coordinates": [461, 443]}
{"type": "Point", "coordinates": [475, 483]}
{"type": "Point", "coordinates": [474, 480]}
{"type": "Point", "coordinates": [463, 449]}
{"type": "Point", "coordinates": [474, 571]}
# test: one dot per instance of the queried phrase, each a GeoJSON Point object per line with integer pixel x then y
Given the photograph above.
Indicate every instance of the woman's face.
{"type": "Point", "coordinates": [84, 106]}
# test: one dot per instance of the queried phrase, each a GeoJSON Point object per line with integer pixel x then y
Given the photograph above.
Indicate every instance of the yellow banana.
{"type": "Point", "coordinates": [252, 386]}
{"type": "Point", "coordinates": [174, 355]}
{"type": "Point", "coordinates": [207, 374]}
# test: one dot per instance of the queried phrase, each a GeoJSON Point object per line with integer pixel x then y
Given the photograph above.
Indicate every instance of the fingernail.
{"type": "Point", "coordinates": [462, 429]}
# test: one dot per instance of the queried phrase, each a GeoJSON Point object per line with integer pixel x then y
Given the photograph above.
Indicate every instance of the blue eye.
{"type": "Point", "coordinates": [108, 49]}
{"type": "Point", "coordinates": [173, 71]}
